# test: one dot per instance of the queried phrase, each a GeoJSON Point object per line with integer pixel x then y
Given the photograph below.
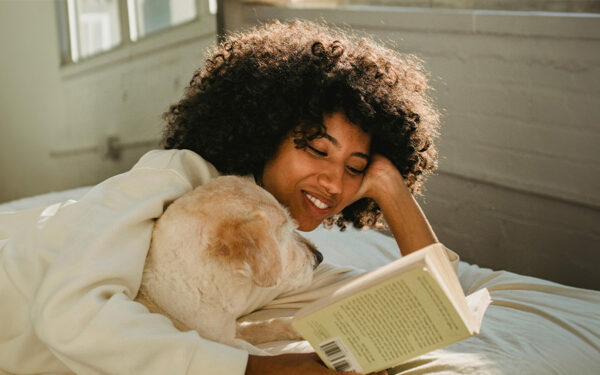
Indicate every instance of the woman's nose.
{"type": "Point", "coordinates": [331, 180]}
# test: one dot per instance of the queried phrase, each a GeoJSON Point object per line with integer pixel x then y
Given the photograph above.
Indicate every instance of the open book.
{"type": "Point", "coordinates": [385, 317]}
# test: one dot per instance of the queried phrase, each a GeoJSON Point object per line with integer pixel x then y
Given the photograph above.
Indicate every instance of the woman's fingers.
{"type": "Point", "coordinates": [377, 177]}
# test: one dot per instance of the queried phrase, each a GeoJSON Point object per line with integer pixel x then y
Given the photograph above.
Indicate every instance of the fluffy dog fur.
{"type": "Point", "coordinates": [216, 247]}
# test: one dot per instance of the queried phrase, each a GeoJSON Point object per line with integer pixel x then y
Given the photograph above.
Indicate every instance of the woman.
{"type": "Point", "coordinates": [339, 129]}
{"type": "Point", "coordinates": [278, 92]}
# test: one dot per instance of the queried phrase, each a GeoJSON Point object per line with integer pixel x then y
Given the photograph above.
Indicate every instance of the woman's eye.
{"type": "Point", "coordinates": [316, 151]}
{"type": "Point", "coordinates": [355, 171]}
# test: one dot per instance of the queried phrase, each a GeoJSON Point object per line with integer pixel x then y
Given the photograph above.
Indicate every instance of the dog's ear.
{"type": "Point", "coordinates": [262, 252]}
{"type": "Point", "coordinates": [250, 242]}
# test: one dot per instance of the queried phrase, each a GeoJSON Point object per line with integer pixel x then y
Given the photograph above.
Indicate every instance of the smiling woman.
{"type": "Point", "coordinates": [296, 82]}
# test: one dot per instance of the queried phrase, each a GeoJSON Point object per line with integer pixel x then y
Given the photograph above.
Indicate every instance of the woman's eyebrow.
{"type": "Point", "coordinates": [331, 139]}
{"type": "Point", "coordinates": [337, 144]}
{"type": "Point", "coordinates": [361, 155]}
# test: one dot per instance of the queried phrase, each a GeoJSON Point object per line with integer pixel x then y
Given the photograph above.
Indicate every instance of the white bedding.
{"type": "Point", "coordinates": [533, 326]}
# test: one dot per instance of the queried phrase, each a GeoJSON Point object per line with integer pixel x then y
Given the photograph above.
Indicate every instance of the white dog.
{"type": "Point", "coordinates": [221, 251]}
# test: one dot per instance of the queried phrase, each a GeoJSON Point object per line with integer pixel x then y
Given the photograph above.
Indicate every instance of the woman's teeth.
{"type": "Point", "coordinates": [317, 202]}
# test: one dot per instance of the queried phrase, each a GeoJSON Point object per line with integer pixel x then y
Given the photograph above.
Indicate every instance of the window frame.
{"type": "Point", "coordinates": [200, 27]}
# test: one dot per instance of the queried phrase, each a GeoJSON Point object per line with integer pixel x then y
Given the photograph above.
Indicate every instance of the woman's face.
{"type": "Point", "coordinates": [319, 181]}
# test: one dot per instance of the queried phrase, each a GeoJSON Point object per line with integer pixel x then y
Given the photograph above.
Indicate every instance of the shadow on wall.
{"type": "Point", "coordinates": [517, 231]}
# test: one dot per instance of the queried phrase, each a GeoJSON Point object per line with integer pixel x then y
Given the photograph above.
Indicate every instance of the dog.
{"type": "Point", "coordinates": [214, 250]}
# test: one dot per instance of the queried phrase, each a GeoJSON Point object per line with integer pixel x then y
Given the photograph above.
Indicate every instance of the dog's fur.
{"type": "Point", "coordinates": [212, 248]}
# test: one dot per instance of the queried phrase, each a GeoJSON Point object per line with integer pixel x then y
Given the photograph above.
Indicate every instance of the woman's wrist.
{"type": "Point", "coordinates": [405, 218]}
{"type": "Point", "coordinates": [254, 365]}
{"type": "Point", "coordinates": [290, 364]}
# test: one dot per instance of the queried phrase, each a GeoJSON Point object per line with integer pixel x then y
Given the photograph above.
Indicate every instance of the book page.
{"type": "Point", "coordinates": [478, 302]}
{"type": "Point", "coordinates": [447, 278]}
{"type": "Point", "coordinates": [388, 324]}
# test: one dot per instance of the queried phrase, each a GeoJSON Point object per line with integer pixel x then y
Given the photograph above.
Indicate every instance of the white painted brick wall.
{"type": "Point", "coordinates": [520, 92]}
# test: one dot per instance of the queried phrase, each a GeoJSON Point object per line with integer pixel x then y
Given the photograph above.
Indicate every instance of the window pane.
{"type": "Point", "coordinates": [147, 16]}
{"type": "Point", "coordinates": [94, 26]}
{"type": "Point", "coordinates": [212, 6]}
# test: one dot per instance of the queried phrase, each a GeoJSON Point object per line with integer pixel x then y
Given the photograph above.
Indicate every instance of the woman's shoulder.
{"type": "Point", "coordinates": [160, 158]}
{"type": "Point", "coordinates": [185, 162]}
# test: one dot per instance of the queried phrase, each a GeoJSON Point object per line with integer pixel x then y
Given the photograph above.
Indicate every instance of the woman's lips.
{"type": "Point", "coordinates": [317, 205]}
{"type": "Point", "coordinates": [322, 205]}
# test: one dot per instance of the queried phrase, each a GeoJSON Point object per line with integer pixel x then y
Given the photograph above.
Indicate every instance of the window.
{"type": "Point", "coordinates": [148, 16]}
{"type": "Point", "coordinates": [89, 27]}
{"type": "Point", "coordinates": [93, 26]}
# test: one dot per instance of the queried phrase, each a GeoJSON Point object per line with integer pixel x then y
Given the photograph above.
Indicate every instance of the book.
{"type": "Point", "coordinates": [390, 315]}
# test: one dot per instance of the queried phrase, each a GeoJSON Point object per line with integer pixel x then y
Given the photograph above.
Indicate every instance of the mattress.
{"type": "Point", "coordinates": [533, 326]}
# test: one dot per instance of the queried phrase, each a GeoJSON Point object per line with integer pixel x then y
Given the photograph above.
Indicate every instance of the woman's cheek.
{"type": "Point", "coordinates": [349, 192]}
{"type": "Point", "coordinates": [356, 184]}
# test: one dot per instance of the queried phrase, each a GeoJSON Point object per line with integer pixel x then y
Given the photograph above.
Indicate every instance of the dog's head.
{"type": "Point", "coordinates": [217, 245]}
{"type": "Point", "coordinates": [259, 238]}
{"type": "Point", "coordinates": [234, 229]}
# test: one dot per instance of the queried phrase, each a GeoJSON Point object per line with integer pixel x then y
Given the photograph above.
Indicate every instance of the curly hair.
{"type": "Point", "coordinates": [279, 79]}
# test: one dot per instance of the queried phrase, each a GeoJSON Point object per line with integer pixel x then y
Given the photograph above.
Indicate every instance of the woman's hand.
{"type": "Point", "coordinates": [380, 174]}
{"type": "Point", "coordinates": [384, 183]}
{"type": "Point", "coordinates": [291, 364]}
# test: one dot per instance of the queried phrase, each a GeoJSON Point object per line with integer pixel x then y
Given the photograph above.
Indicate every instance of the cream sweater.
{"type": "Point", "coordinates": [68, 274]}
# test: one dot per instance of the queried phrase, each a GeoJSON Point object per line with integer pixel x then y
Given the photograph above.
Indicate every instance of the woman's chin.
{"type": "Point", "coordinates": [308, 227]}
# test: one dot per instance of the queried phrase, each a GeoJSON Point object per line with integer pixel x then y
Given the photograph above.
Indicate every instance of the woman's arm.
{"type": "Point", "coordinates": [292, 364]}
{"type": "Point", "coordinates": [384, 183]}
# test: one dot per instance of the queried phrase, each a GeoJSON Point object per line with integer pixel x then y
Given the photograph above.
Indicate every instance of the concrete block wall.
{"type": "Point", "coordinates": [518, 186]}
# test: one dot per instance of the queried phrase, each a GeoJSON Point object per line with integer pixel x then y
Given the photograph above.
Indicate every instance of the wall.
{"type": "Point", "coordinates": [520, 5]}
{"type": "Point", "coordinates": [519, 178]}
{"type": "Point", "coordinates": [29, 104]}
{"type": "Point", "coordinates": [55, 121]}
{"type": "Point", "coordinates": [518, 186]}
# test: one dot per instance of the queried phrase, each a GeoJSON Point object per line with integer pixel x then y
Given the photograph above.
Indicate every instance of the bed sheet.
{"type": "Point", "coordinates": [43, 199]}
{"type": "Point", "coordinates": [533, 326]}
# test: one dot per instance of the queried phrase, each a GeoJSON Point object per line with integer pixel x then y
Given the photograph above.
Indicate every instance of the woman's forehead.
{"type": "Point", "coordinates": [343, 133]}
